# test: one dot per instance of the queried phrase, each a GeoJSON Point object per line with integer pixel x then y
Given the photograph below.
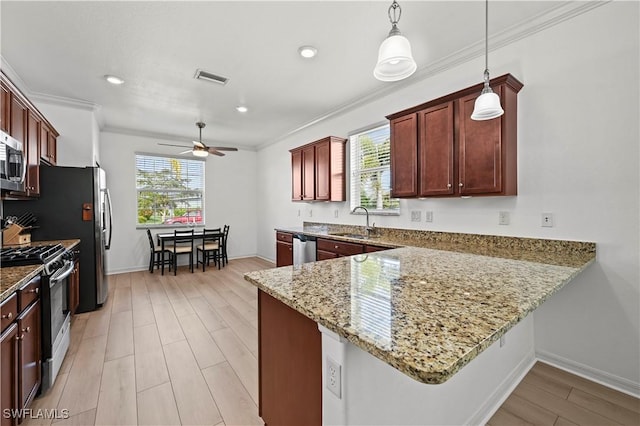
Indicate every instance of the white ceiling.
{"type": "Point", "coordinates": [62, 50]}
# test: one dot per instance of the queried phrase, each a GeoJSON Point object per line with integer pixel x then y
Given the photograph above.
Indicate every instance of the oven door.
{"type": "Point", "coordinates": [56, 321]}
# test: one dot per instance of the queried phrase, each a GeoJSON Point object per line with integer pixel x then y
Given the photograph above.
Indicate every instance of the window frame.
{"type": "Point", "coordinates": [355, 172]}
{"type": "Point", "coordinates": [202, 191]}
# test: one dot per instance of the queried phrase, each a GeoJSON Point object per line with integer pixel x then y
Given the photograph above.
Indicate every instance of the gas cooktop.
{"type": "Point", "coordinates": [34, 255]}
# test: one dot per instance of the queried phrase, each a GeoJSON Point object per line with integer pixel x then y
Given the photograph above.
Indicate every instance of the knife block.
{"type": "Point", "coordinates": [12, 236]}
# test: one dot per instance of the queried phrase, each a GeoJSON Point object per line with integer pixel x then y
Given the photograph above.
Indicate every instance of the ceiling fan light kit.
{"type": "Point", "coordinates": [487, 105]}
{"type": "Point", "coordinates": [395, 60]}
{"type": "Point", "coordinates": [199, 148]}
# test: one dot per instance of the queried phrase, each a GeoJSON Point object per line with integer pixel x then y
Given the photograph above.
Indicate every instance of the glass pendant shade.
{"type": "Point", "coordinates": [487, 106]}
{"type": "Point", "coordinates": [395, 61]}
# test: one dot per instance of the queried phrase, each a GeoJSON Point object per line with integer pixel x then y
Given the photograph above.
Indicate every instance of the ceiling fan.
{"type": "Point", "coordinates": [200, 149]}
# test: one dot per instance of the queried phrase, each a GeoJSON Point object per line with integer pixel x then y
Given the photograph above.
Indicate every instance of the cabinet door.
{"type": "Point", "coordinates": [18, 119]}
{"type": "Point", "coordinates": [74, 288]}
{"type": "Point", "coordinates": [284, 254]}
{"type": "Point", "coordinates": [325, 255]}
{"type": "Point", "coordinates": [53, 149]}
{"type": "Point", "coordinates": [33, 155]}
{"type": "Point", "coordinates": [5, 108]}
{"type": "Point", "coordinates": [436, 150]}
{"type": "Point", "coordinates": [480, 151]}
{"type": "Point", "coordinates": [323, 170]}
{"type": "Point", "coordinates": [29, 353]}
{"type": "Point", "coordinates": [44, 141]}
{"type": "Point", "coordinates": [296, 175]}
{"type": "Point", "coordinates": [404, 156]}
{"type": "Point", "coordinates": [9, 374]}
{"type": "Point", "coordinates": [308, 173]}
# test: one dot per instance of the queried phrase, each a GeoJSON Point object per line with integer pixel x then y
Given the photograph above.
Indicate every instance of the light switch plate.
{"type": "Point", "coordinates": [503, 218]}
{"type": "Point", "coordinates": [428, 216]}
{"type": "Point", "coordinates": [416, 215]}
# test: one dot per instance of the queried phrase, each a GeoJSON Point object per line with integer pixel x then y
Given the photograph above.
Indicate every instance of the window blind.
{"type": "Point", "coordinates": [371, 171]}
{"type": "Point", "coordinates": [170, 190]}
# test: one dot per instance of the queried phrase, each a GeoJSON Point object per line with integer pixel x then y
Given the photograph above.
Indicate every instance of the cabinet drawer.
{"type": "Point", "coordinates": [9, 310]}
{"type": "Point", "coordinates": [339, 247]}
{"type": "Point", "coordinates": [371, 249]}
{"type": "Point", "coordinates": [325, 255]}
{"type": "Point", "coordinates": [28, 293]}
{"type": "Point", "coordinates": [284, 237]}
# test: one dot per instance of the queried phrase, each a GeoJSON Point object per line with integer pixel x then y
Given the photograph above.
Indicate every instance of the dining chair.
{"type": "Point", "coordinates": [210, 247]}
{"type": "Point", "coordinates": [225, 232]}
{"type": "Point", "coordinates": [182, 244]}
{"type": "Point", "coordinates": [156, 258]}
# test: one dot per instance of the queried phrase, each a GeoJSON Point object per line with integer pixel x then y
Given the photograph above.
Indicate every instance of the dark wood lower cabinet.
{"type": "Point", "coordinates": [9, 375]}
{"type": "Point", "coordinates": [290, 362]}
{"type": "Point", "coordinates": [284, 254]}
{"type": "Point", "coordinates": [29, 354]}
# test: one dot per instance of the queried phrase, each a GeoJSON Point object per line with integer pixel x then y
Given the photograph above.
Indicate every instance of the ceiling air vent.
{"type": "Point", "coordinates": [203, 75]}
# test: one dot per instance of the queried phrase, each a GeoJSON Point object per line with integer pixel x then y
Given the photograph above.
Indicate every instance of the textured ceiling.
{"type": "Point", "coordinates": [62, 50]}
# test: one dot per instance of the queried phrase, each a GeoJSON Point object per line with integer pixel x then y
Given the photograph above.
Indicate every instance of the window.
{"type": "Point", "coordinates": [170, 190]}
{"type": "Point", "coordinates": [370, 171]}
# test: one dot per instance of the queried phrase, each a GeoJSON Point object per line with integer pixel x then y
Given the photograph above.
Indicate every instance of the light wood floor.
{"type": "Point", "coordinates": [183, 350]}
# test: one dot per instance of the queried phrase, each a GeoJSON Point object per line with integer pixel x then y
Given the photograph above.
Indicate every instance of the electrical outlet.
{"type": "Point", "coordinates": [416, 215]}
{"type": "Point", "coordinates": [428, 216]}
{"type": "Point", "coordinates": [503, 218]}
{"type": "Point", "coordinates": [310, 213]}
{"type": "Point", "coordinates": [298, 212]}
{"type": "Point", "coordinates": [334, 377]}
{"type": "Point", "coordinates": [547, 220]}
{"type": "Point", "coordinates": [335, 213]}
{"type": "Point", "coordinates": [503, 340]}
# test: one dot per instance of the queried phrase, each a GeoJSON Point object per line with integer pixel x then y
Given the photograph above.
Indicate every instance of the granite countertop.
{"type": "Point", "coordinates": [424, 311]}
{"type": "Point", "coordinates": [12, 278]}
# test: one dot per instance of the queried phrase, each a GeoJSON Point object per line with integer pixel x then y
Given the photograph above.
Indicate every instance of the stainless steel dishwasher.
{"type": "Point", "coordinates": [304, 249]}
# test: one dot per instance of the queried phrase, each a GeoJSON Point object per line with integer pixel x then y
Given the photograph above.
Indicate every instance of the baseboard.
{"type": "Point", "coordinates": [497, 398]}
{"type": "Point", "coordinates": [606, 379]}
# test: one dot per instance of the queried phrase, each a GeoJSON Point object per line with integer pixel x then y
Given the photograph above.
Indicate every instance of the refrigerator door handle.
{"type": "Point", "coordinates": [108, 244]}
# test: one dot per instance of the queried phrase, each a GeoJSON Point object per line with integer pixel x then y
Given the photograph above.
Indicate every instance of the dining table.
{"type": "Point", "coordinates": [197, 235]}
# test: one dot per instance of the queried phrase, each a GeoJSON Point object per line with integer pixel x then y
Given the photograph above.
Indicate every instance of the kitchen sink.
{"type": "Point", "coordinates": [347, 235]}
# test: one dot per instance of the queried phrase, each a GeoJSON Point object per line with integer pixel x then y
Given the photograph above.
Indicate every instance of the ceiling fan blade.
{"type": "Point", "coordinates": [170, 144]}
{"type": "Point", "coordinates": [184, 152]}
{"type": "Point", "coordinates": [215, 152]}
{"type": "Point", "coordinates": [223, 148]}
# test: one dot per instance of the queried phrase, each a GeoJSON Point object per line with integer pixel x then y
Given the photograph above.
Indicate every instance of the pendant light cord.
{"type": "Point", "coordinates": [486, 35]}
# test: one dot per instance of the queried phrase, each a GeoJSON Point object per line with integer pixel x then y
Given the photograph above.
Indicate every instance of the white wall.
{"type": "Point", "coordinates": [230, 198]}
{"type": "Point", "coordinates": [78, 143]}
{"type": "Point", "coordinates": [578, 158]}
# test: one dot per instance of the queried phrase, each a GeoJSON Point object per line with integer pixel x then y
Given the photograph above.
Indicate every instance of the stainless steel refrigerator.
{"type": "Point", "coordinates": [74, 203]}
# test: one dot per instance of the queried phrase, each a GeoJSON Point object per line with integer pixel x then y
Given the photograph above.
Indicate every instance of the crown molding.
{"type": "Point", "coordinates": [167, 137]}
{"type": "Point", "coordinates": [64, 101]}
{"type": "Point", "coordinates": [529, 27]}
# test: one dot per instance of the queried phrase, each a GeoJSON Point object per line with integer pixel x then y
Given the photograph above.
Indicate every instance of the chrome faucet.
{"type": "Point", "coordinates": [368, 228]}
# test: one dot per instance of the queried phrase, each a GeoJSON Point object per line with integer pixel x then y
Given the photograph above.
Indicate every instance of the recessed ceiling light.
{"type": "Point", "coordinates": [242, 108]}
{"type": "Point", "coordinates": [307, 51]}
{"type": "Point", "coordinates": [114, 79]}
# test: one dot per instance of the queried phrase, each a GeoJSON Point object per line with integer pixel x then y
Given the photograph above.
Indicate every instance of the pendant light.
{"type": "Point", "coordinates": [395, 61]}
{"type": "Point", "coordinates": [487, 105]}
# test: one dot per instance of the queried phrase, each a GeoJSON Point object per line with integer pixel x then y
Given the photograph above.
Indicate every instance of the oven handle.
{"type": "Point", "coordinates": [59, 276]}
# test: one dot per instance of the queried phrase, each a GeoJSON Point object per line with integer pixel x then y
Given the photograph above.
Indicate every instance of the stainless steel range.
{"type": "Point", "coordinates": [54, 298]}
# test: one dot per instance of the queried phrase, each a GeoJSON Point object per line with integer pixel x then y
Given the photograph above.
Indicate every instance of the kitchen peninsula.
{"type": "Point", "coordinates": [401, 324]}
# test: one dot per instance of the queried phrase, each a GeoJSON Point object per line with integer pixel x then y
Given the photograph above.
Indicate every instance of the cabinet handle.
{"type": "Point", "coordinates": [460, 184]}
{"type": "Point", "coordinates": [8, 316]}
{"type": "Point", "coordinates": [448, 185]}
{"type": "Point", "coordinates": [21, 337]}
{"type": "Point", "coordinates": [26, 330]}
{"type": "Point", "coordinates": [35, 290]}
{"type": "Point", "coordinates": [335, 247]}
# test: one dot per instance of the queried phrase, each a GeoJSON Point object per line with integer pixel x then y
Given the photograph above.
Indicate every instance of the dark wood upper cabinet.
{"type": "Point", "coordinates": [438, 151]}
{"type": "Point", "coordinates": [32, 184]}
{"type": "Point", "coordinates": [18, 123]}
{"type": "Point", "coordinates": [5, 107]}
{"type": "Point", "coordinates": [318, 171]}
{"type": "Point", "coordinates": [404, 155]}
{"type": "Point", "coordinates": [308, 173]}
{"type": "Point", "coordinates": [296, 175]}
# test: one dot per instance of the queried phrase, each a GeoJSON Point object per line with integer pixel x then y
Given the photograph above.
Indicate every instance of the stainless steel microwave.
{"type": "Point", "coordinates": [13, 165]}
